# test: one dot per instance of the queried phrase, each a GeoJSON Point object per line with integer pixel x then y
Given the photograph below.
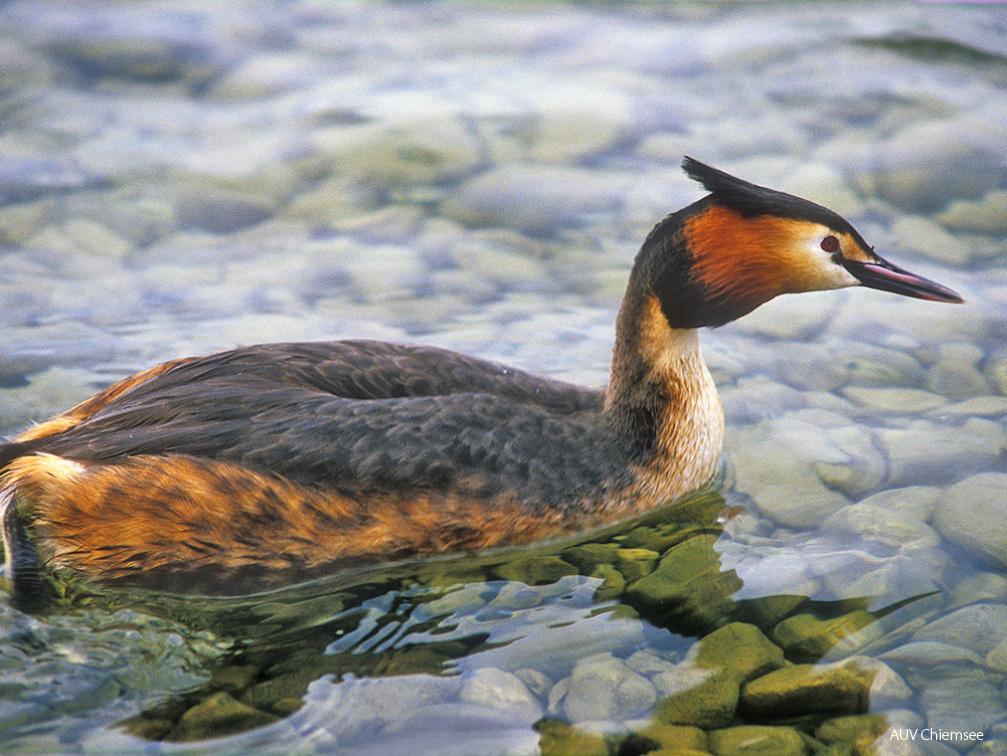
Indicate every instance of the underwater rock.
{"type": "Point", "coordinates": [676, 738]}
{"type": "Point", "coordinates": [973, 514]}
{"type": "Point", "coordinates": [234, 678]}
{"type": "Point", "coordinates": [916, 501]}
{"type": "Point", "coordinates": [776, 463]}
{"type": "Point", "coordinates": [535, 198]}
{"type": "Point", "coordinates": [660, 538]}
{"type": "Point", "coordinates": [613, 583]}
{"type": "Point", "coordinates": [807, 689]}
{"type": "Point", "coordinates": [997, 657]}
{"type": "Point", "coordinates": [808, 638]}
{"type": "Point", "coordinates": [888, 690]}
{"type": "Point", "coordinates": [925, 452]}
{"type": "Point", "coordinates": [635, 563]}
{"type": "Point", "coordinates": [788, 318]}
{"type": "Point", "coordinates": [285, 687]}
{"type": "Point", "coordinates": [902, 401]}
{"type": "Point", "coordinates": [535, 680]}
{"type": "Point", "coordinates": [738, 647]}
{"type": "Point", "coordinates": [501, 690]}
{"type": "Point", "coordinates": [983, 216]}
{"type": "Point", "coordinates": [979, 627]}
{"type": "Point", "coordinates": [929, 654]}
{"type": "Point", "coordinates": [979, 587]}
{"type": "Point", "coordinates": [218, 715]}
{"type": "Point", "coordinates": [392, 157]}
{"type": "Point", "coordinates": [893, 527]}
{"type": "Point", "coordinates": [535, 570]}
{"type": "Point", "coordinates": [688, 590]}
{"type": "Point", "coordinates": [753, 740]}
{"type": "Point", "coordinates": [221, 211]}
{"type": "Point", "coordinates": [859, 730]}
{"type": "Point", "coordinates": [561, 739]}
{"type": "Point", "coordinates": [589, 555]}
{"type": "Point", "coordinates": [956, 373]}
{"type": "Point", "coordinates": [602, 687]}
{"type": "Point", "coordinates": [957, 699]}
{"type": "Point", "coordinates": [359, 707]}
{"type": "Point", "coordinates": [263, 75]}
{"type": "Point", "coordinates": [701, 697]}
{"type": "Point", "coordinates": [904, 166]}
{"type": "Point", "coordinates": [923, 236]}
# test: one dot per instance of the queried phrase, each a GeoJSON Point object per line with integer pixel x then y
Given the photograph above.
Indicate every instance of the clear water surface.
{"type": "Point", "coordinates": [182, 177]}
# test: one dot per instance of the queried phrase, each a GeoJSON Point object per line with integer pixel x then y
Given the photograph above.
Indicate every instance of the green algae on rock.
{"type": "Point", "coordinates": [709, 700]}
{"type": "Point", "coordinates": [758, 740]}
{"type": "Point", "coordinates": [218, 715]}
{"type": "Point", "coordinates": [535, 570]}
{"type": "Point", "coordinates": [688, 588]}
{"type": "Point", "coordinates": [738, 647]}
{"type": "Point", "coordinates": [807, 638]}
{"type": "Point", "coordinates": [807, 689]}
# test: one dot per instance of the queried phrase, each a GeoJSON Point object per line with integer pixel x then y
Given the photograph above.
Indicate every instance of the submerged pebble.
{"type": "Point", "coordinates": [602, 687]}
{"type": "Point", "coordinates": [500, 690]}
{"type": "Point", "coordinates": [973, 514]}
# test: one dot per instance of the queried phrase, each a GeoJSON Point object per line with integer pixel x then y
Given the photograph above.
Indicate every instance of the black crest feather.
{"type": "Point", "coordinates": [751, 200]}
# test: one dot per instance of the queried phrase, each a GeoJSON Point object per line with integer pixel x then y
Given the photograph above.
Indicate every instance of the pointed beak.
{"type": "Point", "coordinates": [878, 273]}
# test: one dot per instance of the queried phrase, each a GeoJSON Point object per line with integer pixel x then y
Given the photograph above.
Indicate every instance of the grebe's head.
{"type": "Point", "coordinates": [744, 244]}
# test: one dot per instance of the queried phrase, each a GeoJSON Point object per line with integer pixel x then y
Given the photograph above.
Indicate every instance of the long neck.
{"type": "Point", "coordinates": [661, 395]}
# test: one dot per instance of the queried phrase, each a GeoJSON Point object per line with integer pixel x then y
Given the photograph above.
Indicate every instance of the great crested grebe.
{"type": "Point", "coordinates": [309, 456]}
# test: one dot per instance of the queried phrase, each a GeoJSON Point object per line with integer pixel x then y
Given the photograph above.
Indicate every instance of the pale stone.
{"type": "Point", "coordinates": [19, 222]}
{"type": "Point", "coordinates": [973, 514]}
{"type": "Point", "coordinates": [984, 216]}
{"type": "Point", "coordinates": [824, 184]}
{"type": "Point", "coordinates": [264, 75]}
{"type": "Point", "coordinates": [917, 502]}
{"type": "Point", "coordinates": [961, 699]}
{"type": "Point", "coordinates": [930, 240]}
{"type": "Point", "coordinates": [385, 272]}
{"type": "Point", "coordinates": [883, 524]}
{"type": "Point", "coordinates": [956, 374]}
{"type": "Point", "coordinates": [978, 587]}
{"type": "Point", "coordinates": [979, 627]}
{"type": "Point", "coordinates": [930, 653]}
{"type": "Point", "coordinates": [603, 687]}
{"type": "Point", "coordinates": [534, 198]}
{"type": "Point", "coordinates": [501, 690]}
{"type": "Point", "coordinates": [756, 398]}
{"type": "Point", "coordinates": [790, 466]}
{"type": "Point", "coordinates": [648, 663]}
{"type": "Point", "coordinates": [977, 406]}
{"type": "Point", "coordinates": [331, 200]}
{"type": "Point", "coordinates": [996, 371]}
{"type": "Point", "coordinates": [898, 400]}
{"type": "Point", "coordinates": [535, 680]}
{"type": "Point", "coordinates": [397, 156]}
{"type": "Point", "coordinates": [924, 452]}
{"type": "Point", "coordinates": [879, 318]}
{"type": "Point", "coordinates": [907, 163]}
{"type": "Point", "coordinates": [997, 657]}
{"type": "Point", "coordinates": [576, 120]}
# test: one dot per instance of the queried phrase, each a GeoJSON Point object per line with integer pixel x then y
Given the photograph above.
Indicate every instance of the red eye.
{"type": "Point", "coordinates": [830, 244]}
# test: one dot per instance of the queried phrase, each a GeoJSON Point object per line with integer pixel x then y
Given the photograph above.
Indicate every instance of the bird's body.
{"type": "Point", "coordinates": [292, 458]}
